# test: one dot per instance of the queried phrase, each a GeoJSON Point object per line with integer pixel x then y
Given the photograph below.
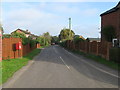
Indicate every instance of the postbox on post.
{"type": "Point", "coordinates": [19, 47]}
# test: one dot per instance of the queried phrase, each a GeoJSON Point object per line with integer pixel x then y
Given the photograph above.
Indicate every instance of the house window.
{"type": "Point", "coordinates": [116, 42]}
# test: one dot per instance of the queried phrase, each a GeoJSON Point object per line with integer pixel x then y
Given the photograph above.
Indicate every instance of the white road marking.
{"type": "Point", "coordinates": [93, 65]}
{"type": "Point", "coordinates": [64, 63]}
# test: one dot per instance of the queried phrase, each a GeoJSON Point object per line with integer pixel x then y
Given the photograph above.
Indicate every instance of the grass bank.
{"type": "Point", "coordinates": [99, 59]}
{"type": "Point", "coordinates": [10, 66]}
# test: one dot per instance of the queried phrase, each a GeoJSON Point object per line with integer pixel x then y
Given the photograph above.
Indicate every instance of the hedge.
{"type": "Point", "coordinates": [114, 54]}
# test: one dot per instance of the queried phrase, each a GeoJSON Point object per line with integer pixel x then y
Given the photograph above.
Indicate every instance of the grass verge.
{"type": "Point", "coordinates": [99, 59]}
{"type": "Point", "coordinates": [10, 66]}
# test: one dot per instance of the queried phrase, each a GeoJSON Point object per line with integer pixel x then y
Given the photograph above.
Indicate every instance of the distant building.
{"type": "Point", "coordinates": [26, 32]}
{"type": "Point", "coordinates": [79, 37]}
{"type": "Point", "coordinates": [93, 39]}
{"type": "Point", "coordinates": [82, 37]}
{"type": "Point", "coordinates": [111, 18]}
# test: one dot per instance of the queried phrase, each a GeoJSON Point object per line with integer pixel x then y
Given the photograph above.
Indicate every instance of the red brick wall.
{"type": "Point", "coordinates": [9, 51]}
{"type": "Point", "coordinates": [8, 48]}
{"type": "Point", "coordinates": [111, 19]}
{"type": "Point", "coordinates": [0, 45]}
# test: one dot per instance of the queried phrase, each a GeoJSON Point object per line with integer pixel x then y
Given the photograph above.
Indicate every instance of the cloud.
{"type": "Point", "coordinates": [47, 17]}
{"type": "Point", "coordinates": [35, 20]}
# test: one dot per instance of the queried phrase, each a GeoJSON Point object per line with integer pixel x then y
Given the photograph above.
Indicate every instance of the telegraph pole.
{"type": "Point", "coordinates": [69, 26]}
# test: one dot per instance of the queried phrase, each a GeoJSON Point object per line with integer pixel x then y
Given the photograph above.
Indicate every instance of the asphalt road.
{"type": "Point", "coordinates": [55, 67]}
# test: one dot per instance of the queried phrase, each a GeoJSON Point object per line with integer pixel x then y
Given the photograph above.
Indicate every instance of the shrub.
{"type": "Point", "coordinates": [109, 33]}
{"type": "Point", "coordinates": [114, 54]}
{"type": "Point", "coordinates": [32, 43]}
{"type": "Point", "coordinates": [25, 41]}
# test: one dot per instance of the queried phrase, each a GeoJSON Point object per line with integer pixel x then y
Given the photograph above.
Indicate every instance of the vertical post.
{"type": "Point", "coordinates": [69, 27]}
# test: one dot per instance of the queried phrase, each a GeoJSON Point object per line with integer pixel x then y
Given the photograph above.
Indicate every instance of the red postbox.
{"type": "Point", "coordinates": [18, 46]}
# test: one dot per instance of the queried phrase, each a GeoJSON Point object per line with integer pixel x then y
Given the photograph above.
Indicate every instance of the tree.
{"type": "Point", "coordinates": [19, 35]}
{"type": "Point", "coordinates": [41, 40]}
{"type": "Point", "coordinates": [1, 28]}
{"type": "Point", "coordinates": [22, 36]}
{"type": "Point", "coordinates": [77, 39]}
{"type": "Point", "coordinates": [66, 34]}
{"type": "Point", "coordinates": [55, 39]}
{"type": "Point", "coordinates": [109, 33]}
{"type": "Point", "coordinates": [47, 37]}
{"type": "Point", "coordinates": [44, 39]}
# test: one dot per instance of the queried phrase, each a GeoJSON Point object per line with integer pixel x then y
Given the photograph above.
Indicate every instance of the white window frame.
{"type": "Point", "coordinates": [115, 39]}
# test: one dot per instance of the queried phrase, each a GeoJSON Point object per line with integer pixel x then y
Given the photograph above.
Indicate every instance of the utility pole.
{"type": "Point", "coordinates": [69, 26]}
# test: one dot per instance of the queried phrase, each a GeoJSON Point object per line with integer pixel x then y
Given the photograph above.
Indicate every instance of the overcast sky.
{"type": "Point", "coordinates": [40, 17]}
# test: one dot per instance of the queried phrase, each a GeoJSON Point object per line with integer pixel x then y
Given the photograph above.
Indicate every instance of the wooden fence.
{"type": "Point", "coordinates": [9, 48]}
{"type": "Point", "coordinates": [96, 48]}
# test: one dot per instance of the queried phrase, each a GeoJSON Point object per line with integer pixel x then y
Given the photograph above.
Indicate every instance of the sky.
{"type": "Point", "coordinates": [41, 17]}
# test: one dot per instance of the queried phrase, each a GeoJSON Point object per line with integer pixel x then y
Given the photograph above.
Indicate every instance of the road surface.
{"type": "Point", "coordinates": [55, 67]}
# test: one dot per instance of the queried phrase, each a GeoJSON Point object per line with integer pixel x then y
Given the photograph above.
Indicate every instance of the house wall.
{"type": "Point", "coordinates": [111, 19]}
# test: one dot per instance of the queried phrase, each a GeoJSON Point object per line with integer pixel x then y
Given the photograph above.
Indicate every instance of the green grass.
{"type": "Point", "coordinates": [10, 66]}
{"type": "Point", "coordinates": [99, 59]}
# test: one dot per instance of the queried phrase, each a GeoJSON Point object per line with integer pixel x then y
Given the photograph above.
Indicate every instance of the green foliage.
{"type": "Point", "coordinates": [109, 33]}
{"type": "Point", "coordinates": [6, 36]}
{"type": "Point", "coordinates": [44, 39]}
{"type": "Point", "coordinates": [114, 54]}
{"type": "Point", "coordinates": [77, 39]}
{"type": "Point", "coordinates": [9, 67]}
{"type": "Point", "coordinates": [47, 37]}
{"type": "Point", "coordinates": [55, 39]}
{"type": "Point", "coordinates": [22, 36]}
{"type": "Point", "coordinates": [1, 28]}
{"type": "Point", "coordinates": [40, 39]}
{"type": "Point", "coordinates": [66, 34]}
{"type": "Point", "coordinates": [25, 41]}
{"type": "Point", "coordinates": [32, 43]}
{"type": "Point", "coordinates": [63, 43]}
{"type": "Point", "coordinates": [99, 59]}
{"type": "Point", "coordinates": [18, 35]}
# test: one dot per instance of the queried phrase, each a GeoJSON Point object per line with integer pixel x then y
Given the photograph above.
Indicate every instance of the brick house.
{"type": "Point", "coordinates": [26, 32]}
{"type": "Point", "coordinates": [111, 18]}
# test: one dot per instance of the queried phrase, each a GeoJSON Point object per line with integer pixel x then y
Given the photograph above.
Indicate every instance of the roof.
{"type": "Point", "coordinates": [112, 10]}
{"type": "Point", "coordinates": [82, 37]}
{"type": "Point", "coordinates": [26, 32]}
{"type": "Point", "coordinates": [93, 39]}
{"type": "Point", "coordinates": [33, 35]}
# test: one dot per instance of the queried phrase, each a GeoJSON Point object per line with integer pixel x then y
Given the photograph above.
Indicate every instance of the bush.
{"type": "Point", "coordinates": [63, 44]}
{"type": "Point", "coordinates": [25, 41]}
{"type": "Point", "coordinates": [32, 43]}
{"type": "Point", "coordinates": [77, 40]}
{"type": "Point", "coordinates": [114, 54]}
{"type": "Point", "coordinates": [109, 33]}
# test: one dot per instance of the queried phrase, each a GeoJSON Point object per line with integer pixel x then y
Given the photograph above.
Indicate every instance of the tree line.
{"type": "Point", "coordinates": [45, 39]}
